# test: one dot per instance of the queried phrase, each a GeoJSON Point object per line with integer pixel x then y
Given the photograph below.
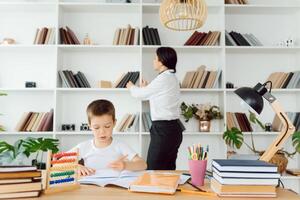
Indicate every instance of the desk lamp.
{"type": "Point", "coordinates": [254, 98]}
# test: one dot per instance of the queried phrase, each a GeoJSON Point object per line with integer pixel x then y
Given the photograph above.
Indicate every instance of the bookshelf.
{"type": "Point", "coordinates": [103, 61]}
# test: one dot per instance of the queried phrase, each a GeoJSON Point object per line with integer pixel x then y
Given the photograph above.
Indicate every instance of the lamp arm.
{"type": "Point", "coordinates": [287, 130]}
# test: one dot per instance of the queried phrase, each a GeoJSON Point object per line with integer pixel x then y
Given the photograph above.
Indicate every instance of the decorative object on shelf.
{"type": "Point", "coordinates": [126, 36]}
{"type": "Point", "coordinates": [202, 112]}
{"type": "Point", "coordinates": [84, 127]}
{"type": "Point", "coordinates": [151, 36]}
{"type": "Point", "coordinates": [229, 85]}
{"type": "Point", "coordinates": [87, 40]}
{"type": "Point", "coordinates": [105, 84]}
{"type": "Point", "coordinates": [1, 126]}
{"type": "Point", "coordinates": [44, 36]}
{"type": "Point", "coordinates": [204, 39]}
{"type": "Point", "coordinates": [7, 41]}
{"type": "Point", "coordinates": [62, 172]}
{"type": "Point", "coordinates": [30, 84]}
{"type": "Point", "coordinates": [237, 39]}
{"type": "Point", "coordinates": [289, 42]}
{"type": "Point", "coordinates": [201, 78]}
{"type": "Point", "coordinates": [268, 127]}
{"type": "Point", "coordinates": [38, 146]}
{"type": "Point", "coordinates": [68, 127]}
{"type": "Point", "coordinates": [183, 15]}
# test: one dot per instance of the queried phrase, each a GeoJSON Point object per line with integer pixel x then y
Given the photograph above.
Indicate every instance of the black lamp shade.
{"type": "Point", "coordinates": [251, 97]}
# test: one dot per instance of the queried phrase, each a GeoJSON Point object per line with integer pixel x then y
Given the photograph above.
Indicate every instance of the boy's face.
{"type": "Point", "coordinates": [102, 127]}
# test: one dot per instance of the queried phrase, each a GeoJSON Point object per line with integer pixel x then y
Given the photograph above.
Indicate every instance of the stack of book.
{"type": "Point", "coordinates": [238, 120]}
{"type": "Point", "coordinates": [244, 178]}
{"type": "Point", "coordinates": [129, 123]}
{"type": "Point", "coordinates": [204, 39]}
{"type": "Point", "coordinates": [19, 182]}
{"type": "Point", "coordinates": [71, 80]}
{"type": "Point", "coordinates": [294, 118]}
{"type": "Point", "coordinates": [151, 36]}
{"type": "Point", "coordinates": [285, 80]}
{"type": "Point", "coordinates": [44, 36]}
{"type": "Point", "coordinates": [147, 123]}
{"type": "Point", "coordinates": [237, 39]}
{"type": "Point", "coordinates": [125, 78]}
{"type": "Point", "coordinates": [35, 122]}
{"type": "Point", "coordinates": [201, 78]}
{"type": "Point", "coordinates": [126, 36]}
{"type": "Point", "coordinates": [236, 2]}
{"type": "Point", "coordinates": [67, 36]}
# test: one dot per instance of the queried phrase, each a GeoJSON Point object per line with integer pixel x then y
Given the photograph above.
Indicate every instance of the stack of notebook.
{"type": "Point", "coordinates": [244, 178]}
{"type": "Point", "coordinates": [19, 181]}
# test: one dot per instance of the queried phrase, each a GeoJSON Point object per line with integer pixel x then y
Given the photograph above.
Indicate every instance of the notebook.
{"type": "Point", "coordinates": [165, 183]}
{"type": "Point", "coordinates": [13, 168]}
{"type": "Point", "coordinates": [243, 166]}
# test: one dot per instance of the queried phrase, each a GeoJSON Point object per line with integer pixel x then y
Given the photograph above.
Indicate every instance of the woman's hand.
{"type": "Point", "coordinates": [118, 164]}
{"type": "Point", "coordinates": [144, 83]}
{"type": "Point", "coordinates": [129, 84]}
{"type": "Point", "coordinates": [85, 171]}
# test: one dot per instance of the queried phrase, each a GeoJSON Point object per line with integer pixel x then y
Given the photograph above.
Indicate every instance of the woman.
{"type": "Point", "coordinates": [164, 96]}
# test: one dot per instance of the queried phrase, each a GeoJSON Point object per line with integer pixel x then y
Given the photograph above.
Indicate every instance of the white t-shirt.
{"type": "Point", "coordinates": [99, 158]}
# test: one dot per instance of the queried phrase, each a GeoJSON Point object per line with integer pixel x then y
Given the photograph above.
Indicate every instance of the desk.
{"type": "Point", "coordinates": [91, 192]}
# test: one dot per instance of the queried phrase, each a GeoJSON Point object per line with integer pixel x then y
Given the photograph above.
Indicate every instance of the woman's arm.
{"type": "Point", "coordinates": [147, 91]}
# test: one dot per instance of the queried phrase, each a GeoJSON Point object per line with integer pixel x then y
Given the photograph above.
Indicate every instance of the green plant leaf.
{"type": "Point", "coordinates": [5, 147]}
{"type": "Point", "coordinates": [296, 141]}
{"type": "Point", "coordinates": [255, 120]}
{"type": "Point", "coordinates": [234, 137]}
{"type": "Point", "coordinates": [34, 145]}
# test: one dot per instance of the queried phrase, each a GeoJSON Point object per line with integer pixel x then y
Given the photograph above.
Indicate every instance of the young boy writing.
{"type": "Point", "coordinates": [104, 152]}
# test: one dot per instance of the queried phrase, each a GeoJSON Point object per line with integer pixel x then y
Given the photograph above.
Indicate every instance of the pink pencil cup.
{"type": "Point", "coordinates": [197, 171]}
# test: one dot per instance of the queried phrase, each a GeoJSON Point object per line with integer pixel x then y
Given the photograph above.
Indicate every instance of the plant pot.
{"type": "Point", "coordinates": [39, 165]}
{"type": "Point", "coordinates": [204, 125]}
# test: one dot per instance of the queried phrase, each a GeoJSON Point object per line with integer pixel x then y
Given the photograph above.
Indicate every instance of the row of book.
{"type": "Point", "coordinates": [126, 36]}
{"type": "Point", "coordinates": [294, 117]}
{"type": "Point", "coordinates": [244, 178]}
{"type": "Point", "coordinates": [20, 182]}
{"type": "Point", "coordinates": [67, 36]}
{"type": "Point", "coordinates": [150, 36]}
{"type": "Point", "coordinates": [236, 2]}
{"type": "Point", "coordinates": [44, 36]}
{"type": "Point", "coordinates": [71, 80]}
{"type": "Point", "coordinates": [146, 121]}
{"type": "Point", "coordinates": [238, 120]}
{"type": "Point", "coordinates": [35, 122]}
{"type": "Point", "coordinates": [285, 79]}
{"type": "Point", "coordinates": [201, 78]}
{"type": "Point", "coordinates": [125, 78]}
{"type": "Point", "coordinates": [204, 39]}
{"type": "Point", "coordinates": [237, 39]}
{"type": "Point", "coordinates": [129, 123]}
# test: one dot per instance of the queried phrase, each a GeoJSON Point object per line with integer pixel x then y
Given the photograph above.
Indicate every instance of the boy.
{"type": "Point", "coordinates": [104, 152]}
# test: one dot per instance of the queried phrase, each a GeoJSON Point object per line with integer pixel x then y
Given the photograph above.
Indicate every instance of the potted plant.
{"type": "Point", "coordinates": [39, 146]}
{"type": "Point", "coordinates": [11, 154]}
{"type": "Point", "coordinates": [235, 139]}
{"type": "Point", "coordinates": [1, 126]}
{"type": "Point", "coordinates": [202, 112]}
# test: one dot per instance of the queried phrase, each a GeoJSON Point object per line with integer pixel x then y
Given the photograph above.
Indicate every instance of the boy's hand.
{"type": "Point", "coordinates": [118, 164]}
{"type": "Point", "coordinates": [85, 171]}
{"type": "Point", "coordinates": [129, 84]}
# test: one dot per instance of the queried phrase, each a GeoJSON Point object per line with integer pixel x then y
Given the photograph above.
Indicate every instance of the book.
{"type": "Point", "coordinates": [12, 168]}
{"type": "Point", "coordinates": [15, 175]}
{"type": "Point", "coordinates": [243, 165]}
{"type": "Point", "coordinates": [156, 183]}
{"type": "Point", "coordinates": [245, 181]}
{"type": "Point", "coordinates": [229, 174]}
{"type": "Point", "coordinates": [19, 195]}
{"type": "Point", "coordinates": [21, 187]}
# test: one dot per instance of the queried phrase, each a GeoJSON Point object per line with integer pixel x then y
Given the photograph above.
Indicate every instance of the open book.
{"type": "Point", "coordinates": [122, 179]}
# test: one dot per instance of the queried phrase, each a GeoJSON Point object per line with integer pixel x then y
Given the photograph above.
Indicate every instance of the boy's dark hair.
{"type": "Point", "coordinates": [100, 107]}
{"type": "Point", "coordinates": [167, 56]}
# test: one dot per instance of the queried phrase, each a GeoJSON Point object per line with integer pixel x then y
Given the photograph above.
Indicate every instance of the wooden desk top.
{"type": "Point", "coordinates": [91, 192]}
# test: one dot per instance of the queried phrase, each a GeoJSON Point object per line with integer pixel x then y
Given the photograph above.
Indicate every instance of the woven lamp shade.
{"type": "Point", "coordinates": [183, 15]}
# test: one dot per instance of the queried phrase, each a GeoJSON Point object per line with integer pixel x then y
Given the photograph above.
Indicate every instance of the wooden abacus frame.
{"type": "Point", "coordinates": [65, 186]}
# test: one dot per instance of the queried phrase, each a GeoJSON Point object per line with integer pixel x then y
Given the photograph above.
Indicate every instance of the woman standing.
{"type": "Point", "coordinates": [164, 96]}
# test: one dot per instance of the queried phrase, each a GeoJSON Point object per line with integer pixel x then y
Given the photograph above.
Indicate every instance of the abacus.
{"type": "Point", "coordinates": [62, 172]}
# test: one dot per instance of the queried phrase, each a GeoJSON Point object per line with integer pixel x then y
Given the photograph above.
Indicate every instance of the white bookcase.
{"type": "Point", "coordinates": [269, 20]}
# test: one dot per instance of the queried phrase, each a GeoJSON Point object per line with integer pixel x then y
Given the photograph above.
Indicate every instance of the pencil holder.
{"type": "Point", "coordinates": [197, 171]}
